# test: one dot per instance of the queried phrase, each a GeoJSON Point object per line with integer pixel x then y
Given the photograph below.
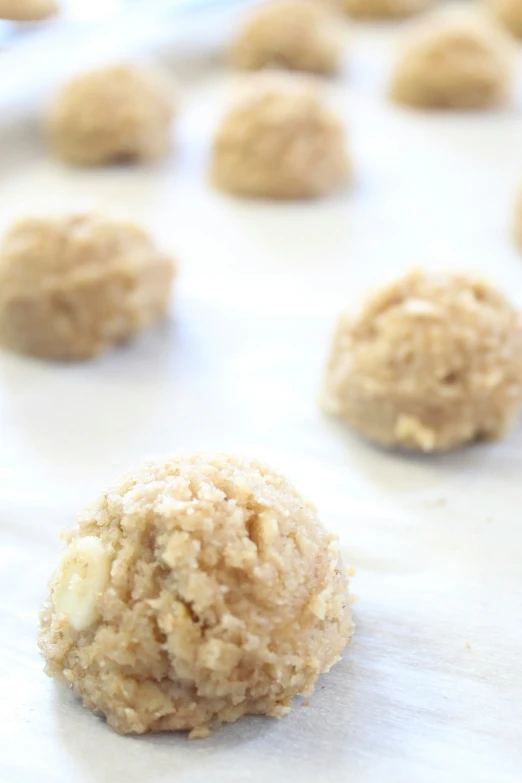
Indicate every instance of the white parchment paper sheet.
{"type": "Point", "coordinates": [431, 688]}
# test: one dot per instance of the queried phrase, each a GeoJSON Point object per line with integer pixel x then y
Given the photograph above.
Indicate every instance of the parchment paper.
{"type": "Point", "coordinates": [431, 688]}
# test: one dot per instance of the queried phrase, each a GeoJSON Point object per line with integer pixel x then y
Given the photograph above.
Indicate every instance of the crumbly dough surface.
{"type": "Point", "coordinates": [430, 363]}
{"type": "Point", "coordinates": [27, 10]}
{"type": "Point", "coordinates": [114, 114]}
{"type": "Point", "coordinates": [279, 140]}
{"type": "Point", "coordinates": [301, 35]}
{"type": "Point", "coordinates": [509, 14]}
{"type": "Point", "coordinates": [384, 9]}
{"type": "Point", "coordinates": [72, 286]}
{"type": "Point", "coordinates": [452, 64]}
{"type": "Point", "coordinates": [197, 589]}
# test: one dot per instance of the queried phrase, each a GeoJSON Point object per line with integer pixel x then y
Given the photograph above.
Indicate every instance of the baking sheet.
{"type": "Point", "coordinates": [431, 687]}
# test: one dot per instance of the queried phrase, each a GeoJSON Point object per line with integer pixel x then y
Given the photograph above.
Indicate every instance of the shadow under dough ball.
{"type": "Point", "coordinates": [384, 9]}
{"type": "Point", "coordinates": [280, 140]}
{"type": "Point", "coordinates": [198, 589]}
{"type": "Point", "coordinates": [430, 363]}
{"type": "Point", "coordinates": [452, 65]}
{"type": "Point", "coordinates": [115, 114]}
{"type": "Point", "coordinates": [297, 34]}
{"type": "Point", "coordinates": [72, 286]}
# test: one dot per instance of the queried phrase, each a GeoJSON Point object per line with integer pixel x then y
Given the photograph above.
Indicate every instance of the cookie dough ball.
{"type": "Point", "coordinates": [73, 286]}
{"type": "Point", "coordinates": [279, 140]}
{"type": "Point", "coordinates": [301, 35]}
{"type": "Point", "coordinates": [27, 10]}
{"type": "Point", "coordinates": [509, 14]}
{"type": "Point", "coordinates": [517, 224]}
{"type": "Point", "coordinates": [384, 9]}
{"type": "Point", "coordinates": [116, 114]}
{"type": "Point", "coordinates": [452, 65]}
{"type": "Point", "coordinates": [196, 590]}
{"type": "Point", "coordinates": [431, 363]}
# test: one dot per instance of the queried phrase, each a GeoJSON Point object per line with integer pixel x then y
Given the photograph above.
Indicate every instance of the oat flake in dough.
{"type": "Point", "coordinates": [197, 589]}
{"type": "Point", "coordinates": [430, 363]}
{"type": "Point", "coordinates": [73, 286]}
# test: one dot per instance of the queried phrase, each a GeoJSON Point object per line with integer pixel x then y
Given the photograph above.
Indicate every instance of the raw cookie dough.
{"type": "Point", "coordinates": [198, 589]}
{"type": "Point", "coordinates": [115, 114]}
{"type": "Point", "coordinates": [509, 14]}
{"type": "Point", "coordinates": [72, 286]}
{"type": "Point", "coordinates": [27, 10]}
{"type": "Point", "coordinates": [452, 65]}
{"type": "Point", "coordinates": [430, 363]}
{"type": "Point", "coordinates": [301, 35]}
{"type": "Point", "coordinates": [384, 9]}
{"type": "Point", "coordinates": [517, 224]}
{"type": "Point", "coordinates": [279, 140]}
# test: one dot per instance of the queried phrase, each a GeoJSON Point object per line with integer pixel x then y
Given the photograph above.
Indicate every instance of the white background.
{"type": "Point", "coordinates": [431, 687]}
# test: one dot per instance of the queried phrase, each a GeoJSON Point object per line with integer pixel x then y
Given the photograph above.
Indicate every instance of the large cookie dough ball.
{"type": "Point", "coordinates": [27, 10]}
{"type": "Point", "coordinates": [115, 114]}
{"type": "Point", "coordinates": [431, 363]}
{"type": "Point", "coordinates": [452, 65]}
{"type": "Point", "coordinates": [384, 9]}
{"type": "Point", "coordinates": [196, 590]}
{"type": "Point", "coordinates": [297, 34]}
{"type": "Point", "coordinates": [509, 13]}
{"type": "Point", "coordinates": [279, 140]}
{"type": "Point", "coordinates": [70, 287]}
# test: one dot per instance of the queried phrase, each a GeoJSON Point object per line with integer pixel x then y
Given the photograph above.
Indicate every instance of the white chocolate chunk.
{"type": "Point", "coordinates": [420, 308]}
{"type": "Point", "coordinates": [81, 577]}
{"type": "Point", "coordinates": [408, 427]}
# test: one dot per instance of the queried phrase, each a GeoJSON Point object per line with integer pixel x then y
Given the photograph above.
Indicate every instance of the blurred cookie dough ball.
{"type": "Point", "coordinates": [384, 9]}
{"type": "Point", "coordinates": [452, 64]}
{"type": "Point", "coordinates": [115, 114]}
{"type": "Point", "coordinates": [301, 35]}
{"type": "Point", "coordinates": [509, 14]}
{"type": "Point", "coordinates": [198, 589]}
{"type": "Point", "coordinates": [517, 225]}
{"type": "Point", "coordinates": [430, 363]}
{"type": "Point", "coordinates": [27, 10]}
{"type": "Point", "coordinates": [70, 287]}
{"type": "Point", "coordinates": [279, 140]}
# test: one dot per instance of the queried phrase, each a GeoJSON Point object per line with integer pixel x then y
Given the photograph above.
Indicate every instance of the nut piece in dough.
{"type": "Point", "coordinates": [72, 286]}
{"type": "Point", "coordinates": [279, 140]}
{"type": "Point", "coordinates": [115, 114]}
{"type": "Point", "coordinates": [430, 363]}
{"type": "Point", "coordinates": [384, 9]}
{"type": "Point", "coordinates": [226, 596]}
{"type": "Point", "coordinates": [27, 10]}
{"type": "Point", "coordinates": [301, 35]}
{"type": "Point", "coordinates": [452, 64]}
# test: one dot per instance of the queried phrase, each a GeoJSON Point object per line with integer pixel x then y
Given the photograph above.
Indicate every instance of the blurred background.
{"type": "Point", "coordinates": [36, 54]}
